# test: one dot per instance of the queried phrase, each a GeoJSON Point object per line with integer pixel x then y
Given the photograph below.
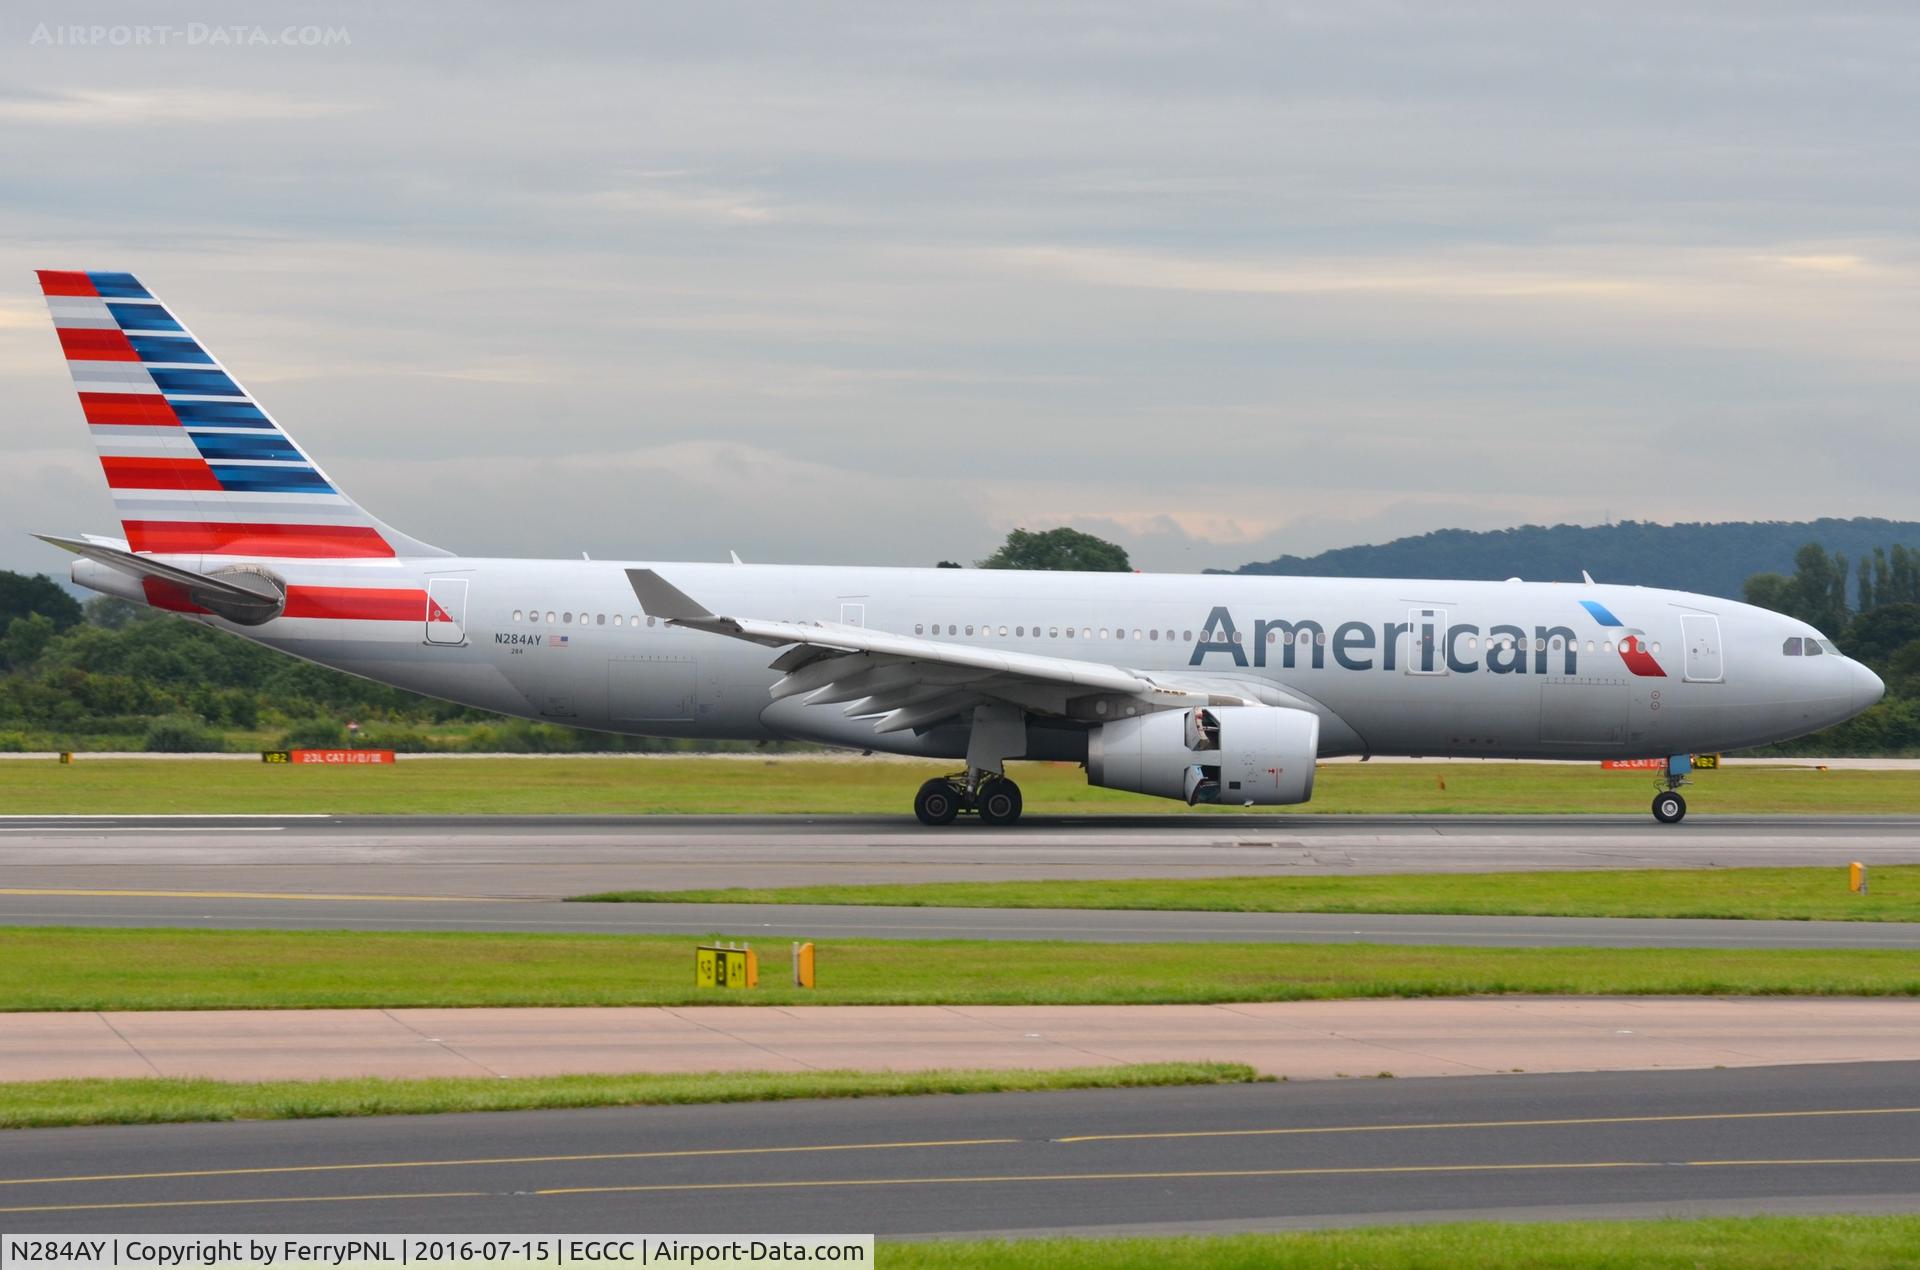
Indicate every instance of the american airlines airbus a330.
{"type": "Point", "coordinates": [1199, 688]}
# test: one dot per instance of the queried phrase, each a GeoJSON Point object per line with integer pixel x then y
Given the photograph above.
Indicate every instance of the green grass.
{"type": "Point", "coordinates": [1751, 1243]}
{"type": "Point", "coordinates": [48, 1103]}
{"type": "Point", "coordinates": [60, 968]}
{"type": "Point", "coordinates": [1788, 894]}
{"type": "Point", "coordinates": [798, 786]}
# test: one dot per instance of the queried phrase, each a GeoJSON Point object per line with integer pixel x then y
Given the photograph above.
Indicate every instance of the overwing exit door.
{"type": "Point", "coordinates": [446, 610]}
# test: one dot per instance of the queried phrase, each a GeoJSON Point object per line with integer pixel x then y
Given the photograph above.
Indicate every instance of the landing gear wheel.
{"type": "Point", "coordinates": [937, 803]}
{"type": "Point", "coordinates": [1669, 808]}
{"type": "Point", "coordinates": [999, 802]}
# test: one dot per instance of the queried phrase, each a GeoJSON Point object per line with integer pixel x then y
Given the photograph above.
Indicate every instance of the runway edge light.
{"type": "Point", "coordinates": [1857, 878]}
{"type": "Point", "coordinates": [802, 964]}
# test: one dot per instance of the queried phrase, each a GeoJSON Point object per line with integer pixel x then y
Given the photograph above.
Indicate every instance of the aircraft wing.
{"type": "Point", "coordinates": [906, 682]}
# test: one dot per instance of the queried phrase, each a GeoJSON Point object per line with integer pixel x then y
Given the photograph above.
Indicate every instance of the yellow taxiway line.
{"type": "Point", "coordinates": [1002, 1179]}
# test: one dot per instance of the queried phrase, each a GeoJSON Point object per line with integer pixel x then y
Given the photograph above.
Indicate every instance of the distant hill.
{"type": "Point", "coordinates": [1712, 558]}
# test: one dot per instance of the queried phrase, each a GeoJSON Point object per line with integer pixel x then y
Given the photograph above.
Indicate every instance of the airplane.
{"type": "Point", "coordinates": [1206, 689]}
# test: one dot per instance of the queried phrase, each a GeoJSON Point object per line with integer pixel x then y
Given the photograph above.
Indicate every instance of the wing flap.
{"type": "Point", "coordinates": [912, 682]}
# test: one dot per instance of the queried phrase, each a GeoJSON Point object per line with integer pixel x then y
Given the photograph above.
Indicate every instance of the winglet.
{"type": "Point", "coordinates": [660, 598]}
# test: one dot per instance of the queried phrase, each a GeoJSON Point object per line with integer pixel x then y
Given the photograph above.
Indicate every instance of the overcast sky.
{"type": "Point", "coordinates": [851, 283]}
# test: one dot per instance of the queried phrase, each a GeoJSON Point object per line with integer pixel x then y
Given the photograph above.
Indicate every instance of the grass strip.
{"type": "Point", "coordinates": [1751, 1243]}
{"type": "Point", "coordinates": [1778, 894]}
{"type": "Point", "coordinates": [49, 1103]}
{"type": "Point", "coordinates": [810, 786]}
{"type": "Point", "coordinates": [69, 968]}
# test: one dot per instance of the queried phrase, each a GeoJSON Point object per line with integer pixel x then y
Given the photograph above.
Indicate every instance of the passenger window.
{"type": "Point", "coordinates": [1003, 632]}
{"type": "Point", "coordinates": [1792, 647]}
{"type": "Point", "coordinates": [1103, 632]}
{"type": "Point", "coordinates": [919, 628]}
{"type": "Point", "coordinates": [549, 617]}
{"type": "Point", "coordinates": [649, 619]}
{"type": "Point", "coordinates": [1053, 632]}
{"type": "Point", "coordinates": [1813, 648]}
{"type": "Point", "coordinates": [1136, 632]}
{"type": "Point", "coordinates": [1656, 646]}
{"type": "Point", "coordinates": [1606, 645]}
{"type": "Point", "coordinates": [599, 619]}
{"type": "Point", "coordinates": [1273, 637]}
{"type": "Point", "coordinates": [1188, 636]}
{"type": "Point", "coordinates": [516, 615]}
{"type": "Point", "coordinates": [1020, 632]}
{"type": "Point", "coordinates": [1555, 644]}
{"type": "Point", "coordinates": [1153, 634]}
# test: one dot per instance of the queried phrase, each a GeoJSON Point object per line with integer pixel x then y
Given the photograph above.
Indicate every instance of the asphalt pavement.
{"type": "Point", "coordinates": [1272, 1156]}
{"type": "Point", "coordinates": [542, 857]}
{"type": "Point", "coordinates": [239, 911]}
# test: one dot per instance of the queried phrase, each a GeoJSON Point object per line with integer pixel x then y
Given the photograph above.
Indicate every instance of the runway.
{"type": "Point", "coordinates": [554, 857]}
{"type": "Point", "coordinates": [1275, 1156]}
{"type": "Point", "coordinates": [239, 911]}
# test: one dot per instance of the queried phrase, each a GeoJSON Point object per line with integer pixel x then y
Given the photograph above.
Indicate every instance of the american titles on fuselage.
{"type": "Point", "coordinates": [1424, 644]}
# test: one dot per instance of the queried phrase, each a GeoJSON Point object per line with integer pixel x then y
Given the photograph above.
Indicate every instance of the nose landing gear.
{"type": "Point", "coordinates": [1668, 807]}
{"type": "Point", "coordinates": [994, 799]}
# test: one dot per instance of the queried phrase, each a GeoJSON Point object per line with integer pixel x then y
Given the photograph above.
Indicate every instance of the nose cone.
{"type": "Point", "coordinates": [1867, 687]}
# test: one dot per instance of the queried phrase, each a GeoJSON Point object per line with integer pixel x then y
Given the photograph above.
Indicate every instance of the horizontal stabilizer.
{"type": "Point", "coordinates": [240, 595]}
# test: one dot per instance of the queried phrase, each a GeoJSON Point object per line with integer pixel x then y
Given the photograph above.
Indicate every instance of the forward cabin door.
{"type": "Point", "coordinates": [446, 610]}
{"type": "Point", "coordinates": [1700, 632]}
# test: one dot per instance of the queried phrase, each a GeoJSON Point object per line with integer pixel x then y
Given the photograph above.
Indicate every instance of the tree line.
{"type": "Point", "coordinates": [1872, 612]}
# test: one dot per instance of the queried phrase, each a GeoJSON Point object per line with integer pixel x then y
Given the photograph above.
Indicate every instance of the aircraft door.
{"type": "Point", "coordinates": [1700, 632]}
{"type": "Point", "coordinates": [446, 610]}
{"type": "Point", "coordinates": [1426, 641]}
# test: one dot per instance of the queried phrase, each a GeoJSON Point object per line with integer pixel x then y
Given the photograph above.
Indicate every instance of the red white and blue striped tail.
{"type": "Point", "coordinates": [197, 467]}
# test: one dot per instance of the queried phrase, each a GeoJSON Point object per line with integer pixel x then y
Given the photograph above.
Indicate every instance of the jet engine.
{"type": "Point", "coordinates": [1251, 755]}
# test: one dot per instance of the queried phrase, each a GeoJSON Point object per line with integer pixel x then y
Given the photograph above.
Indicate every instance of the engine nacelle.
{"type": "Point", "coordinates": [1252, 755]}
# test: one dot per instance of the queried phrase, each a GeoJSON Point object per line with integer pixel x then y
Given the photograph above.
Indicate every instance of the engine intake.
{"type": "Point", "coordinates": [1252, 755]}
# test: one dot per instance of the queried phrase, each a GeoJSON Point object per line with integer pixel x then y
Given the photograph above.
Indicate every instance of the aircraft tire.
{"type": "Point", "coordinates": [937, 803]}
{"type": "Point", "coordinates": [999, 802]}
{"type": "Point", "coordinates": [1669, 808]}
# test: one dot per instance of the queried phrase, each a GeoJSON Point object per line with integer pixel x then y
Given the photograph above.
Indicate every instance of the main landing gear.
{"type": "Point", "coordinates": [995, 799]}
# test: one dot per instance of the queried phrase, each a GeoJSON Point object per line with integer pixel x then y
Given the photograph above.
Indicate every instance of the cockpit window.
{"type": "Point", "coordinates": [1813, 647]}
{"type": "Point", "coordinates": [1792, 647]}
{"type": "Point", "coordinates": [1827, 644]}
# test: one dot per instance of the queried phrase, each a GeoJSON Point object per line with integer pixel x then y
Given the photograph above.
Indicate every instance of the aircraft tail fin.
{"type": "Point", "coordinates": [196, 466]}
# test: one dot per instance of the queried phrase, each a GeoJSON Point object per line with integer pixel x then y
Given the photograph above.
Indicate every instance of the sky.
{"type": "Point", "coordinates": [851, 283]}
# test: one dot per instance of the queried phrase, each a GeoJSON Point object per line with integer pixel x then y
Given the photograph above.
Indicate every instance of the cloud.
{"type": "Point", "coordinates": [879, 283]}
{"type": "Point", "coordinates": [162, 107]}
